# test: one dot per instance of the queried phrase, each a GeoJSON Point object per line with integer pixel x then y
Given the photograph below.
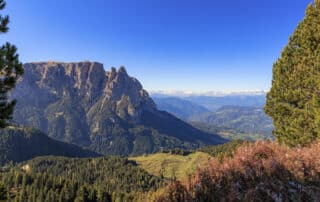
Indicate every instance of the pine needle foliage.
{"type": "Point", "coordinates": [294, 99]}
{"type": "Point", "coordinates": [10, 70]}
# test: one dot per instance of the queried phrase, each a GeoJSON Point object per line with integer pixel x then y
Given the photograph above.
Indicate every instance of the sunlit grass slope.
{"type": "Point", "coordinates": [171, 165]}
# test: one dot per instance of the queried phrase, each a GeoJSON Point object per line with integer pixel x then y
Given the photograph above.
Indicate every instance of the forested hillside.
{"type": "Point", "coordinates": [20, 144]}
{"type": "Point", "coordinates": [67, 179]}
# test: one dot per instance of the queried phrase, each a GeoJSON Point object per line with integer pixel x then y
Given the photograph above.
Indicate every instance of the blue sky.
{"type": "Point", "coordinates": [195, 45]}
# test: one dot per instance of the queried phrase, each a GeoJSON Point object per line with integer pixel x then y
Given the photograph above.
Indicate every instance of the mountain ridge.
{"type": "Point", "coordinates": [106, 111]}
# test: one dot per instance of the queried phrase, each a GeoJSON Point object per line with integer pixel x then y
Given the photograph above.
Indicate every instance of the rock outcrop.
{"type": "Point", "coordinates": [107, 111]}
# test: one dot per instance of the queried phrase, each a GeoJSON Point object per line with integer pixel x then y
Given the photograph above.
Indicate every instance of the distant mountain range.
{"type": "Point", "coordinates": [180, 107]}
{"type": "Point", "coordinates": [179, 93]}
{"type": "Point", "coordinates": [230, 116]}
{"type": "Point", "coordinates": [214, 102]}
{"type": "Point", "coordinates": [107, 112]}
{"type": "Point", "coordinates": [236, 122]}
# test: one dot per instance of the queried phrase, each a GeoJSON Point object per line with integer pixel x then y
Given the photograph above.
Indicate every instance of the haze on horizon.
{"type": "Point", "coordinates": [169, 45]}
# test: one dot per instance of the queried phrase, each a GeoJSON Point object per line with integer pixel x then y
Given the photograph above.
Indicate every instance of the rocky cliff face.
{"type": "Point", "coordinates": [109, 112]}
{"type": "Point", "coordinates": [89, 83]}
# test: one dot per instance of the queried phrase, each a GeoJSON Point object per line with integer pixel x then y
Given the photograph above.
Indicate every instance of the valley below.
{"type": "Point", "coordinates": [230, 116]}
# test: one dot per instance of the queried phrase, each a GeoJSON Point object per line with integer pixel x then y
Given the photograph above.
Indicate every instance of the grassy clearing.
{"type": "Point", "coordinates": [170, 165]}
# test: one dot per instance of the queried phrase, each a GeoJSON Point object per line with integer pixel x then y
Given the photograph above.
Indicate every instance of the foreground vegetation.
{"type": "Point", "coordinates": [262, 171]}
{"type": "Point", "coordinates": [51, 178]}
{"type": "Point", "coordinates": [294, 99]}
{"type": "Point", "coordinates": [181, 164]}
{"type": "Point", "coordinates": [10, 70]}
{"type": "Point", "coordinates": [73, 179]}
{"type": "Point", "coordinates": [223, 150]}
{"type": "Point", "coordinates": [237, 171]}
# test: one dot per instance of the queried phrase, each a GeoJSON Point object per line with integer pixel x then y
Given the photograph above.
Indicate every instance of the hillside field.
{"type": "Point", "coordinates": [171, 165]}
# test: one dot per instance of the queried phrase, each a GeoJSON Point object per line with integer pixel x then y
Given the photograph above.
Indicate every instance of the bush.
{"type": "Point", "coordinates": [262, 171]}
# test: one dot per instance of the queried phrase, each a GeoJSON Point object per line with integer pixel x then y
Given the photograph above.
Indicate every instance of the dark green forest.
{"type": "Point", "coordinates": [19, 144]}
{"type": "Point", "coordinates": [73, 179]}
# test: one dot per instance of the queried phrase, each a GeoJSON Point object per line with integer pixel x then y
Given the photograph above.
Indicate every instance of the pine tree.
{"type": "Point", "coordinates": [103, 196]}
{"type": "Point", "coordinates": [83, 194]}
{"type": "Point", "coordinates": [294, 99]}
{"type": "Point", "coordinates": [10, 70]}
{"type": "Point", "coordinates": [3, 192]}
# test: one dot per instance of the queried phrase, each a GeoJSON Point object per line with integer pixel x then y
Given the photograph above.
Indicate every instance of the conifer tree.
{"type": "Point", "coordinates": [3, 192]}
{"type": "Point", "coordinates": [294, 99]}
{"type": "Point", "coordinates": [10, 70]}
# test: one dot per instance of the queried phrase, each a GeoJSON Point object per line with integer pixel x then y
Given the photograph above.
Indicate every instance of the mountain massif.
{"type": "Point", "coordinates": [108, 112]}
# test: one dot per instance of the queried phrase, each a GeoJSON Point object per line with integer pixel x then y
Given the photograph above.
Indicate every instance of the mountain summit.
{"type": "Point", "coordinates": [106, 111]}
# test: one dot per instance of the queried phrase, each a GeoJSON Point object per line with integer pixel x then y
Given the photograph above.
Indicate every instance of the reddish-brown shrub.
{"type": "Point", "coordinates": [261, 171]}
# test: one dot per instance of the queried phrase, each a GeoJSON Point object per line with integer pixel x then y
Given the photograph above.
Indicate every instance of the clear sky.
{"type": "Point", "coordinates": [195, 45]}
